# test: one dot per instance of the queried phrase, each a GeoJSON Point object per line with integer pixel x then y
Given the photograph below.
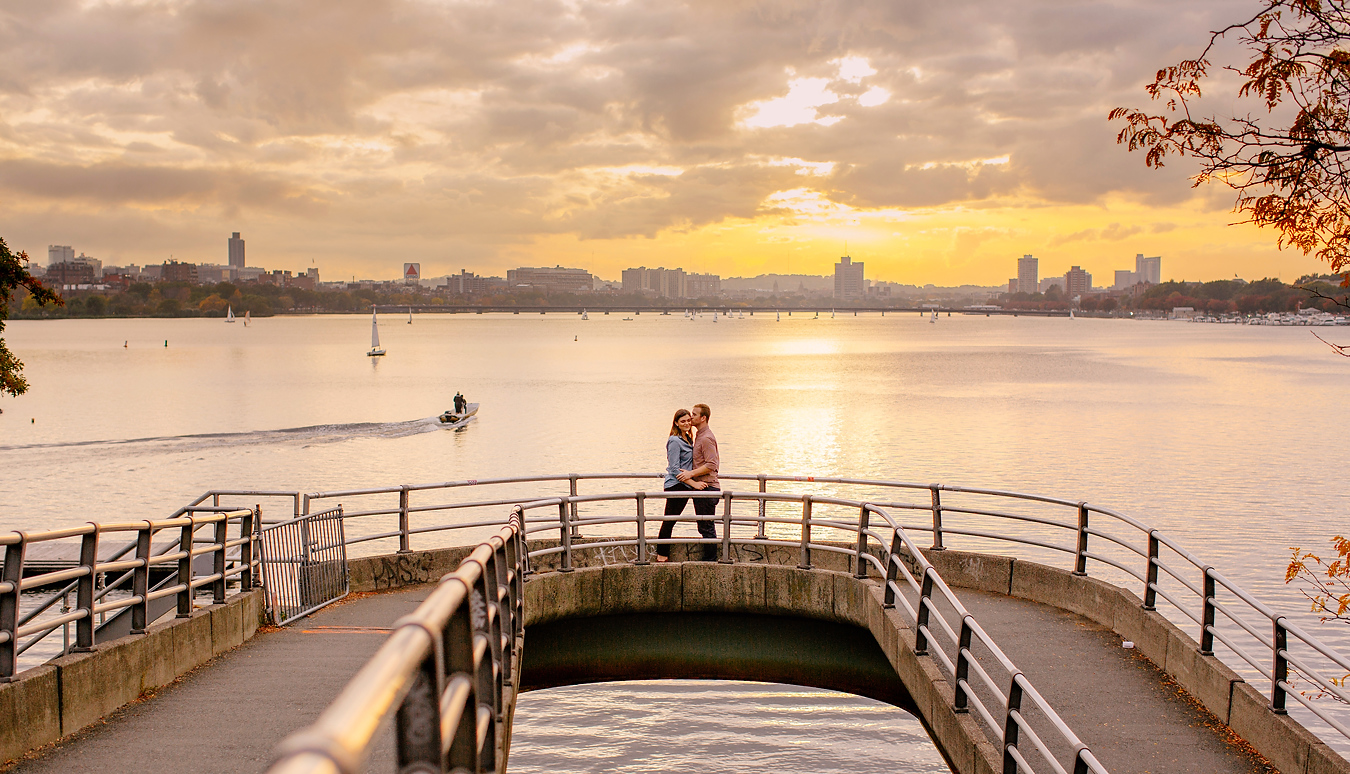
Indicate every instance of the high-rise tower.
{"type": "Point", "coordinates": [1028, 274]}
{"type": "Point", "coordinates": [236, 251]}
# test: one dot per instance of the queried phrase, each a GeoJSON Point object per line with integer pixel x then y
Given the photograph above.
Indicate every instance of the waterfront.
{"type": "Point", "coordinates": [1213, 433]}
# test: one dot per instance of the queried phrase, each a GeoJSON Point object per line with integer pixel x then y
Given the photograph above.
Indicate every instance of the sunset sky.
{"type": "Point", "coordinates": [940, 140]}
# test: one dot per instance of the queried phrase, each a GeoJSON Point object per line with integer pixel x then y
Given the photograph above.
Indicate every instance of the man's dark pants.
{"type": "Point", "coordinates": [703, 506]}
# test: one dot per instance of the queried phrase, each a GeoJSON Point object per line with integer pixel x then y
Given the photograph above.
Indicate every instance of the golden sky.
{"type": "Point", "coordinates": [939, 141]}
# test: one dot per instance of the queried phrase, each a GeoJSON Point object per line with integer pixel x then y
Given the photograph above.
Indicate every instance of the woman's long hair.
{"type": "Point", "coordinates": [675, 424]}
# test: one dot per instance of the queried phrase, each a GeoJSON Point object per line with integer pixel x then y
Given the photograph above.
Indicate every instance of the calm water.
{"type": "Point", "coordinates": [1223, 436]}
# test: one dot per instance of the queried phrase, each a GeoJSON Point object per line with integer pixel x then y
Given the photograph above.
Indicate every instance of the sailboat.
{"type": "Point", "coordinates": [248, 317]}
{"type": "Point", "coordinates": [933, 319]}
{"type": "Point", "coordinates": [714, 316]}
{"type": "Point", "coordinates": [410, 315]}
{"type": "Point", "coordinates": [375, 350]}
{"type": "Point", "coordinates": [585, 316]}
{"type": "Point", "coordinates": [777, 316]}
{"type": "Point", "coordinates": [831, 314]}
{"type": "Point", "coordinates": [1071, 317]}
{"type": "Point", "coordinates": [229, 314]}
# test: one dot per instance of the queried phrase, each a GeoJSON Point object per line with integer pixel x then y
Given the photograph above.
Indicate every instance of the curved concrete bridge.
{"type": "Point", "coordinates": [1010, 665]}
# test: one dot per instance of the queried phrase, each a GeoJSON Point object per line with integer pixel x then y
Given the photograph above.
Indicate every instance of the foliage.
{"type": "Point", "coordinates": [14, 275]}
{"type": "Point", "coordinates": [1289, 167]}
{"type": "Point", "coordinates": [1325, 585]}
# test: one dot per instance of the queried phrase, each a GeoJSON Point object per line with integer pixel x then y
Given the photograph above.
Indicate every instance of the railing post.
{"type": "Point", "coordinates": [84, 592]}
{"type": "Point", "coordinates": [921, 613]}
{"type": "Point", "coordinates": [937, 517]}
{"type": "Point", "coordinates": [641, 499]}
{"type": "Point", "coordinates": [804, 562]}
{"type": "Point", "coordinates": [960, 699]}
{"type": "Point", "coordinates": [1011, 731]}
{"type": "Point", "coordinates": [403, 525]}
{"type": "Point", "coordinates": [1080, 556]}
{"type": "Point", "coordinates": [1279, 667]}
{"type": "Point", "coordinates": [726, 529]}
{"type": "Point", "coordinates": [1207, 615]}
{"type": "Point", "coordinates": [246, 552]}
{"type": "Point", "coordinates": [572, 478]}
{"type": "Point", "coordinates": [565, 527]}
{"type": "Point", "coordinates": [763, 507]}
{"type": "Point", "coordinates": [506, 612]}
{"type": "Point", "coordinates": [1151, 575]}
{"type": "Point", "coordinates": [218, 565]}
{"type": "Point", "coordinates": [418, 721]}
{"type": "Point", "coordinates": [140, 580]}
{"type": "Point", "coordinates": [9, 608]}
{"type": "Point", "coordinates": [892, 570]}
{"type": "Point", "coordinates": [185, 568]}
{"type": "Point", "coordinates": [864, 517]}
{"type": "Point", "coordinates": [459, 663]}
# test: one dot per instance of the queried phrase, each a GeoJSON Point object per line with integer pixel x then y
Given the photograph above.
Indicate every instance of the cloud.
{"type": "Point", "coordinates": [492, 123]}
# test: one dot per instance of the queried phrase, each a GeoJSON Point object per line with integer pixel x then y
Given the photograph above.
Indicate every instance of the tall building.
{"type": "Point", "coordinates": [236, 250]}
{"type": "Point", "coordinates": [1012, 285]}
{"type": "Point", "coordinates": [1028, 274]}
{"type": "Point", "coordinates": [1125, 279]}
{"type": "Point", "coordinates": [1077, 282]}
{"type": "Point", "coordinates": [1148, 269]}
{"type": "Point", "coordinates": [173, 271]}
{"type": "Point", "coordinates": [666, 283]}
{"type": "Point", "coordinates": [60, 254]}
{"type": "Point", "coordinates": [848, 279]}
{"type": "Point", "coordinates": [702, 285]}
{"type": "Point", "coordinates": [554, 280]}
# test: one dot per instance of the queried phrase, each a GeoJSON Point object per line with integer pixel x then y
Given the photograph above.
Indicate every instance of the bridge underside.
{"type": "Point", "coordinates": [722, 646]}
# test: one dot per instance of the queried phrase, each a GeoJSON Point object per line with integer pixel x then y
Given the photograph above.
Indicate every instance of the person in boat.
{"type": "Point", "coordinates": [679, 459]}
{"type": "Point", "coordinates": [460, 403]}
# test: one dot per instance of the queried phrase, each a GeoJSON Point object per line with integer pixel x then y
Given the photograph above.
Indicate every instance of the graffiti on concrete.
{"type": "Point", "coordinates": [396, 570]}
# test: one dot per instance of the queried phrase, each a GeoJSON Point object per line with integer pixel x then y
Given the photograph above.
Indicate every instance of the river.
{"type": "Point", "coordinates": [1223, 436]}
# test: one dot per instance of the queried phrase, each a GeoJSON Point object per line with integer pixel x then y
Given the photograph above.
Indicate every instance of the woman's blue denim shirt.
{"type": "Point", "coordinates": [679, 456]}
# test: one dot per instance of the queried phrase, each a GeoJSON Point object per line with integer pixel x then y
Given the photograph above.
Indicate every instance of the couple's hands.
{"type": "Point", "coordinates": [687, 477]}
{"type": "Point", "coordinates": [699, 485]}
{"type": "Point", "coordinates": [684, 476]}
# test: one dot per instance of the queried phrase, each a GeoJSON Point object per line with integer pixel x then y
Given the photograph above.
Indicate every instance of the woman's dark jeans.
{"type": "Point", "coordinates": [703, 506]}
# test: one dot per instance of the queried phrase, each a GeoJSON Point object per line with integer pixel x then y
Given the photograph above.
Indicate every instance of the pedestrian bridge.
{"type": "Point", "coordinates": [1011, 664]}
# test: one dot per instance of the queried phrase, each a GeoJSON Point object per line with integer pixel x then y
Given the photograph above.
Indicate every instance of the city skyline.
{"type": "Point", "coordinates": [934, 141]}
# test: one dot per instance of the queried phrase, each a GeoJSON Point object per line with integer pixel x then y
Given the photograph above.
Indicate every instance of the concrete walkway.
{"type": "Point", "coordinates": [229, 714]}
{"type": "Point", "coordinates": [1132, 716]}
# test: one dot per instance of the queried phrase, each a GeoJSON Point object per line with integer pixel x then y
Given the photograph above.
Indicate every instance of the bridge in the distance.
{"type": "Point", "coordinates": [1010, 662]}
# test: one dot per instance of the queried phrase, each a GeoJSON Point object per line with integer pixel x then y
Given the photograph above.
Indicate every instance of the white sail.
{"type": "Point", "coordinates": [374, 332]}
{"type": "Point", "coordinates": [410, 315]}
{"type": "Point", "coordinates": [229, 314]}
{"type": "Point", "coordinates": [248, 315]}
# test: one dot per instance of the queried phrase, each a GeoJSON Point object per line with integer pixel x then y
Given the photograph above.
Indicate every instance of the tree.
{"type": "Point", "coordinates": [1288, 167]}
{"type": "Point", "coordinates": [14, 274]}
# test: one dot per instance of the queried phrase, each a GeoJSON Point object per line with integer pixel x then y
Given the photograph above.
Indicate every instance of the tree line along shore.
{"type": "Point", "coordinates": [181, 299]}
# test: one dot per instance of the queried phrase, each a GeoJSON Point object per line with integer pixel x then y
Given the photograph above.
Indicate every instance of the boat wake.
{"type": "Point", "coordinates": [313, 434]}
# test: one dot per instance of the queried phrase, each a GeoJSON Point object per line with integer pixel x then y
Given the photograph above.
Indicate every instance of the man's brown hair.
{"type": "Point", "coordinates": [704, 410]}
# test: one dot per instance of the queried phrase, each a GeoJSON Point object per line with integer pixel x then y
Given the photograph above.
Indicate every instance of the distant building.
{"type": "Point", "coordinates": [1148, 269]}
{"type": "Point", "coordinates": [1012, 286]}
{"type": "Point", "coordinates": [1077, 282]}
{"type": "Point", "coordinates": [247, 273]}
{"type": "Point", "coordinates": [554, 280]}
{"type": "Point", "coordinates": [1125, 279]}
{"type": "Point", "coordinates": [60, 254]}
{"type": "Point", "coordinates": [69, 273]}
{"type": "Point", "coordinates": [1047, 283]}
{"type": "Point", "coordinates": [666, 283]}
{"type": "Point", "coordinates": [848, 279]}
{"type": "Point", "coordinates": [465, 283]}
{"type": "Point", "coordinates": [307, 281]}
{"type": "Point", "coordinates": [173, 271]}
{"type": "Point", "coordinates": [212, 273]}
{"type": "Point", "coordinates": [1028, 274]}
{"type": "Point", "coordinates": [702, 285]}
{"type": "Point", "coordinates": [236, 250]}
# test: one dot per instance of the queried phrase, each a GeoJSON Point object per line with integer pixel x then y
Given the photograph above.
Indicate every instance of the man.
{"type": "Point", "coordinates": [704, 476]}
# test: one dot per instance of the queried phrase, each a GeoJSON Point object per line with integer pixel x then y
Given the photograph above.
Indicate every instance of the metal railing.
{"type": "Point", "coordinates": [1260, 642]}
{"type": "Point", "coordinates": [304, 565]}
{"type": "Point", "coordinates": [88, 578]}
{"type": "Point", "coordinates": [983, 678]}
{"type": "Point", "coordinates": [449, 671]}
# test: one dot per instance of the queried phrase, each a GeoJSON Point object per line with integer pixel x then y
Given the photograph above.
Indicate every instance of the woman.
{"type": "Point", "coordinates": [679, 458]}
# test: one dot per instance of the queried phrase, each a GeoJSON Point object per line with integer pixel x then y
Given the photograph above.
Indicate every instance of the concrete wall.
{"type": "Point", "coordinates": [43, 704]}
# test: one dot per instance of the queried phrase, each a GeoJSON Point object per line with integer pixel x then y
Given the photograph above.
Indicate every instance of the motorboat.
{"type": "Point", "coordinates": [450, 419]}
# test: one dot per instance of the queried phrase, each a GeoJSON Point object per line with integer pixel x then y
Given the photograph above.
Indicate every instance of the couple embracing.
{"type": "Point", "coordinates": [691, 465]}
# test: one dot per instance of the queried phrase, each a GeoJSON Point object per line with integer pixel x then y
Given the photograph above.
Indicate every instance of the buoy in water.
{"type": "Point", "coordinates": [166, 342]}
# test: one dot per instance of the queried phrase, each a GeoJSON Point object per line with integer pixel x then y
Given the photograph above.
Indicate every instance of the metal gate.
{"type": "Point", "coordinates": [304, 564]}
